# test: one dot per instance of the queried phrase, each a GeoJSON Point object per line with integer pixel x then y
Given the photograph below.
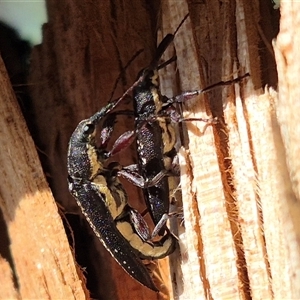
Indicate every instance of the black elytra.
{"type": "Point", "coordinates": [103, 201]}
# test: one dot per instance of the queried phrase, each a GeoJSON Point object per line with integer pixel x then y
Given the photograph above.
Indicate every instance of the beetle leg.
{"type": "Point", "coordinates": [139, 223]}
{"type": "Point", "coordinates": [133, 230]}
{"type": "Point", "coordinates": [191, 94]}
{"type": "Point", "coordinates": [108, 125]}
{"type": "Point", "coordinates": [135, 178]}
{"type": "Point", "coordinates": [141, 227]}
{"type": "Point", "coordinates": [122, 142]}
{"type": "Point", "coordinates": [160, 225]}
{"type": "Point", "coordinates": [125, 140]}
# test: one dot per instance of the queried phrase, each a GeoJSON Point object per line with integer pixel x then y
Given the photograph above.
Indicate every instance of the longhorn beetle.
{"type": "Point", "coordinates": [97, 189]}
{"type": "Point", "coordinates": [155, 139]}
{"type": "Point", "coordinates": [103, 200]}
{"type": "Point", "coordinates": [155, 135]}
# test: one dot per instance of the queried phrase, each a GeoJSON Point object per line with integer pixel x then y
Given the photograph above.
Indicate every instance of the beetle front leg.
{"type": "Point", "coordinates": [131, 173]}
{"type": "Point", "coordinates": [123, 141]}
{"type": "Point", "coordinates": [191, 94]}
{"type": "Point", "coordinates": [108, 128]}
{"type": "Point", "coordinates": [171, 112]}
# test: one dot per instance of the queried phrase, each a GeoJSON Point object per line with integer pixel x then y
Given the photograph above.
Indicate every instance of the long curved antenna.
{"type": "Point", "coordinates": [121, 73]}
{"type": "Point", "coordinates": [183, 20]}
{"type": "Point", "coordinates": [153, 65]}
{"type": "Point", "coordinates": [227, 82]}
{"type": "Point", "coordinates": [163, 45]}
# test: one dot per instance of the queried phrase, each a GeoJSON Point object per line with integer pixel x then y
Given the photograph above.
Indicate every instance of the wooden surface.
{"type": "Point", "coordinates": [239, 182]}
{"type": "Point", "coordinates": [36, 261]}
{"type": "Point", "coordinates": [287, 106]}
{"type": "Point", "coordinates": [239, 204]}
{"type": "Point", "coordinates": [75, 69]}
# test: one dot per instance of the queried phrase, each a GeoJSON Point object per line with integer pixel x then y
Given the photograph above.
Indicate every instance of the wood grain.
{"type": "Point", "coordinates": [83, 52]}
{"type": "Point", "coordinates": [240, 225]}
{"type": "Point", "coordinates": [239, 182]}
{"type": "Point", "coordinates": [38, 263]}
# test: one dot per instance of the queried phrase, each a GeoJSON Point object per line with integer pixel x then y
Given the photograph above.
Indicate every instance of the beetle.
{"type": "Point", "coordinates": [155, 138]}
{"type": "Point", "coordinates": [155, 135]}
{"type": "Point", "coordinates": [103, 201]}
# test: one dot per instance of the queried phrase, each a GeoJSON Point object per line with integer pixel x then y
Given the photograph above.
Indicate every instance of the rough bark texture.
{"type": "Point", "coordinates": [240, 193]}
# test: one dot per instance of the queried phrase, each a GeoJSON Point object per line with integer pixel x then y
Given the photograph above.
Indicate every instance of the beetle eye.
{"type": "Point", "coordinates": [88, 129]}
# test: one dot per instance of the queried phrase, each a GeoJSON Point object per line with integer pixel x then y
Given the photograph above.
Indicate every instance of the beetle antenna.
{"type": "Point", "coordinates": [183, 20]}
{"type": "Point", "coordinates": [122, 72]}
{"type": "Point", "coordinates": [163, 45]}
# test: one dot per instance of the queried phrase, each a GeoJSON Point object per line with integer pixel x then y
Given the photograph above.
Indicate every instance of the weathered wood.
{"type": "Point", "coordinates": [287, 107]}
{"type": "Point", "coordinates": [236, 189]}
{"type": "Point", "coordinates": [240, 194]}
{"type": "Point", "coordinates": [85, 48]}
{"type": "Point", "coordinates": [37, 262]}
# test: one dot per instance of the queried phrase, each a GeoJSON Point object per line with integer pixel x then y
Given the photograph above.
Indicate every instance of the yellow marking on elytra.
{"type": "Point", "coordinates": [167, 162]}
{"type": "Point", "coordinates": [154, 78]}
{"type": "Point", "coordinates": [145, 248]}
{"type": "Point", "coordinates": [168, 131]}
{"type": "Point", "coordinates": [95, 164]}
{"type": "Point", "coordinates": [115, 207]}
{"type": "Point", "coordinates": [168, 134]}
{"type": "Point", "coordinates": [156, 99]}
{"type": "Point", "coordinates": [155, 92]}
